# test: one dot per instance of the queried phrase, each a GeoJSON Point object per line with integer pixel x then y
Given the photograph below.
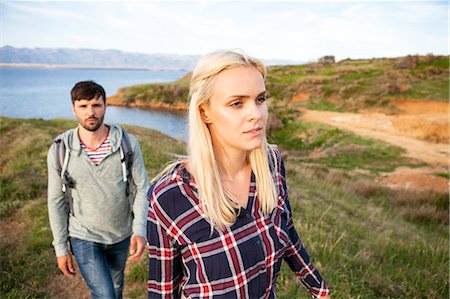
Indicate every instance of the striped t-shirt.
{"type": "Point", "coordinates": [98, 154]}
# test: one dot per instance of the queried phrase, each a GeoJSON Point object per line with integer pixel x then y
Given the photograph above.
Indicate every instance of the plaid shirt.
{"type": "Point", "coordinates": [187, 258]}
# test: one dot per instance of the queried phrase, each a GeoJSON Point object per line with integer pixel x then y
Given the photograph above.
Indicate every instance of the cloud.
{"type": "Point", "coordinates": [42, 9]}
{"type": "Point", "coordinates": [267, 29]}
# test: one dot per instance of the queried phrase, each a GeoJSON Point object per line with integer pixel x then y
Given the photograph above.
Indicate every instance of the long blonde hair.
{"type": "Point", "coordinates": [217, 202]}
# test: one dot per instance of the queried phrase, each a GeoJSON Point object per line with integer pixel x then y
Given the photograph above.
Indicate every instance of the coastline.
{"type": "Point", "coordinates": [82, 66]}
{"type": "Point", "coordinates": [180, 107]}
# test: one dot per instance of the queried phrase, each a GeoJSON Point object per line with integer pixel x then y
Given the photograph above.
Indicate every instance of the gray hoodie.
{"type": "Point", "coordinates": [102, 211]}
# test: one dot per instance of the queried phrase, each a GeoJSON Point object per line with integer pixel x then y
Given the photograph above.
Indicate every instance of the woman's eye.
{"type": "Point", "coordinates": [236, 104]}
{"type": "Point", "coordinates": [261, 100]}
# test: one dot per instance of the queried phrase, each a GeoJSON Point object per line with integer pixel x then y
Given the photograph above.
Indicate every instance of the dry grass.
{"type": "Point", "coordinates": [421, 206]}
{"type": "Point", "coordinates": [367, 241]}
{"type": "Point", "coordinates": [362, 243]}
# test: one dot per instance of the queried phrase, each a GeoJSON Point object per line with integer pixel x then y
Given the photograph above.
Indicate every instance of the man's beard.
{"type": "Point", "coordinates": [93, 127]}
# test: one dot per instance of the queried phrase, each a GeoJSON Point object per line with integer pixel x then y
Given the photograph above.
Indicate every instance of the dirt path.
{"type": "Point", "coordinates": [12, 232]}
{"type": "Point", "coordinates": [420, 127]}
{"type": "Point", "coordinates": [61, 287]}
{"type": "Point", "coordinates": [380, 126]}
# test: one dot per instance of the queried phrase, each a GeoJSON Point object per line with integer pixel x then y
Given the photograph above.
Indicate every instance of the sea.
{"type": "Point", "coordinates": [45, 93]}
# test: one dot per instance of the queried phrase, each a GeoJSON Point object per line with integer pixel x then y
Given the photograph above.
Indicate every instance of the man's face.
{"type": "Point", "coordinates": [90, 113]}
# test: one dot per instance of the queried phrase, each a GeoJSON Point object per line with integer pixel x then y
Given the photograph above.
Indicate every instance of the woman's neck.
{"type": "Point", "coordinates": [231, 165]}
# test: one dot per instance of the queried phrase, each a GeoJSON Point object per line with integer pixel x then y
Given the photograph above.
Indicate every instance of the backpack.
{"type": "Point", "coordinates": [68, 183]}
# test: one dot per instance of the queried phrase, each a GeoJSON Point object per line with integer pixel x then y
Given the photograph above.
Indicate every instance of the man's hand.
{"type": "Point", "coordinates": [65, 265]}
{"type": "Point", "coordinates": [137, 246]}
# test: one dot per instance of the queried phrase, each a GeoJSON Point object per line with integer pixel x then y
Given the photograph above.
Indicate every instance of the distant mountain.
{"type": "Point", "coordinates": [96, 58]}
{"type": "Point", "coordinates": [91, 58]}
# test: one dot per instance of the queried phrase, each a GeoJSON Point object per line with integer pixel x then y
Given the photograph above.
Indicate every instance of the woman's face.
{"type": "Point", "coordinates": [237, 112]}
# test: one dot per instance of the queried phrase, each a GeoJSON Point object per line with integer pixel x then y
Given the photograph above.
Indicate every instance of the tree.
{"type": "Point", "coordinates": [328, 59]}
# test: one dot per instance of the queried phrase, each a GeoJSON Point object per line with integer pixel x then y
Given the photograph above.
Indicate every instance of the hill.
{"type": "Point", "coordinates": [368, 241]}
{"type": "Point", "coordinates": [403, 101]}
{"type": "Point", "coordinates": [348, 85]}
{"type": "Point", "coordinates": [96, 58]}
{"type": "Point", "coordinates": [92, 58]}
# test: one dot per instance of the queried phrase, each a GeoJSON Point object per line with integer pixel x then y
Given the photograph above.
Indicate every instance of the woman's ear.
{"type": "Point", "coordinates": [204, 114]}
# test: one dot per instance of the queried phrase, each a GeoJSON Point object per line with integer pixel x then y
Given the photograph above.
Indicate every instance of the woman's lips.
{"type": "Point", "coordinates": [254, 131]}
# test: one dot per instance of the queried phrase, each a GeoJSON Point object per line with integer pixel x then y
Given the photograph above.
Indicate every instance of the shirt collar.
{"type": "Point", "coordinates": [115, 135]}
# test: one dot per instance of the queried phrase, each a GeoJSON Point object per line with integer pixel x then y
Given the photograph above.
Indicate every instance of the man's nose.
{"type": "Point", "coordinates": [90, 110]}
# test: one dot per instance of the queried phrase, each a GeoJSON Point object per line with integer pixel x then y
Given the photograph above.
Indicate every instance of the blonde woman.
{"type": "Point", "coordinates": [219, 221]}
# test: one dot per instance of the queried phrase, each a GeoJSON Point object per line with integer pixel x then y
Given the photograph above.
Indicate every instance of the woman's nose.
{"type": "Point", "coordinates": [255, 111]}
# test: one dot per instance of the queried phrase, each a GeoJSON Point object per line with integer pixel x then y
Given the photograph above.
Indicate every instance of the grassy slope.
{"type": "Point", "coordinates": [349, 85]}
{"type": "Point", "coordinates": [173, 93]}
{"type": "Point", "coordinates": [360, 236]}
{"type": "Point", "coordinates": [27, 259]}
{"type": "Point", "coordinates": [357, 84]}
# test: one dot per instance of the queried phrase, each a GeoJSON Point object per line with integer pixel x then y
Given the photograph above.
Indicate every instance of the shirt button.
{"type": "Point", "coordinates": [258, 242]}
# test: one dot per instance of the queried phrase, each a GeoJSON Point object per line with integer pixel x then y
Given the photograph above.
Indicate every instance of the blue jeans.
{"type": "Point", "coordinates": [102, 266]}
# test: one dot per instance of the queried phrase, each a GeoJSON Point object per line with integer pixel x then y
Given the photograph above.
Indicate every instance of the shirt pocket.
{"type": "Point", "coordinates": [279, 219]}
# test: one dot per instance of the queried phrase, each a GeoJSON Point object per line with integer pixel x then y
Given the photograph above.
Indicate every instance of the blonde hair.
{"type": "Point", "coordinates": [217, 202]}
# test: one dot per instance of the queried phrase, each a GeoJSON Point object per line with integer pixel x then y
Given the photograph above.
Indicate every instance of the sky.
{"type": "Point", "coordinates": [290, 30]}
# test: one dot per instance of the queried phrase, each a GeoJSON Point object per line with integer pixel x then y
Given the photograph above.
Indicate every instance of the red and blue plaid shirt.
{"type": "Point", "coordinates": [241, 261]}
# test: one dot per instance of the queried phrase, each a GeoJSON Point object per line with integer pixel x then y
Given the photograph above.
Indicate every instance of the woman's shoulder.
{"type": "Point", "coordinates": [174, 193]}
{"type": "Point", "coordinates": [275, 155]}
{"type": "Point", "coordinates": [274, 147]}
{"type": "Point", "coordinates": [277, 167]}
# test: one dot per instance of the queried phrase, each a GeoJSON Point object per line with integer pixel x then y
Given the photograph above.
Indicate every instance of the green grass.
{"type": "Point", "coordinates": [23, 160]}
{"type": "Point", "coordinates": [170, 93]}
{"type": "Point", "coordinates": [286, 74]}
{"type": "Point", "coordinates": [367, 73]}
{"type": "Point", "coordinates": [335, 148]}
{"type": "Point", "coordinates": [439, 62]}
{"type": "Point", "coordinates": [28, 261]}
{"type": "Point", "coordinates": [444, 175]}
{"type": "Point", "coordinates": [367, 242]}
{"type": "Point", "coordinates": [363, 248]}
{"type": "Point", "coordinates": [433, 89]}
{"type": "Point", "coordinates": [322, 103]}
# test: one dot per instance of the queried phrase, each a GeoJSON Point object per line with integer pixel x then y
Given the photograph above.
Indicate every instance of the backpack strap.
{"type": "Point", "coordinates": [60, 151]}
{"type": "Point", "coordinates": [124, 165]}
{"type": "Point", "coordinates": [62, 160]}
{"type": "Point", "coordinates": [126, 155]}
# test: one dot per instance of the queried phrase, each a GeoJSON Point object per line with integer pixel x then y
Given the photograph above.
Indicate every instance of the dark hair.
{"type": "Point", "coordinates": [86, 90]}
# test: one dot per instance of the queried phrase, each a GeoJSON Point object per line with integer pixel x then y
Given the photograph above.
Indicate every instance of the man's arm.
{"type": "Point", "coordinates": [65, 264]}
{"type": "Point", "coordinates": [58, 214]}
{"type": "Point", "coordinates": [140, 205]}
{"type": "Point", "coordinates": [137, 246]}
